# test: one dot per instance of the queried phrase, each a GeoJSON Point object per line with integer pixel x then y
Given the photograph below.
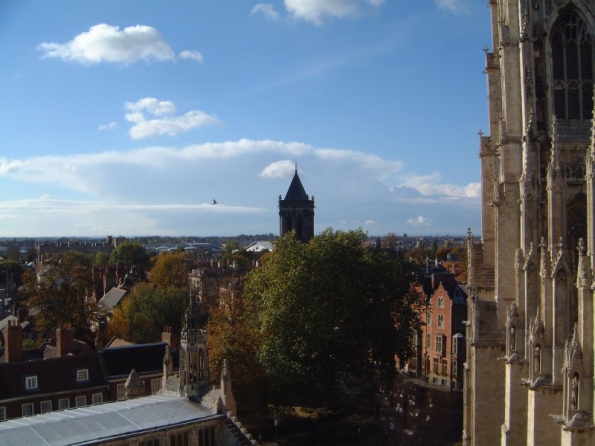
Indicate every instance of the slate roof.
{"type": "Point", "coordinates": [101, 423]}
{"type": "Point", "coordinates": [144, 358]}
{"type": "Point", "coordinates": [296, 191]}
{"type": "Point", "coordinates": [112, 298]}
{"type": "Point", "coordinates": [53, 375]}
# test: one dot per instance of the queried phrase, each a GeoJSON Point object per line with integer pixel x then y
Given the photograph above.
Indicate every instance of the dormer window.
{"type": "Point", "coordinates": [82, 375]}
{"type": "Point", "coordinates": [31, 382]}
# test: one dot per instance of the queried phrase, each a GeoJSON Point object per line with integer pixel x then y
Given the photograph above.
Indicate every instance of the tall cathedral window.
{"type": "Point", "coordinates": [572, 68]}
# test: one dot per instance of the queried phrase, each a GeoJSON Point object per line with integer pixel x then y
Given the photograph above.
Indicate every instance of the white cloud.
{"type": "Point", "coordinates": [279, 169]}
{"type": "Point", "coordinates": [454, 6]}
{"type": "Point", "coordinates": [170, 125]}
{"type": "Point", "coordinates": [165, 190]}
{"type": "Point", "coordinates": [105, 43]}
{"type": "Point", "coordinates": [267, 10]}
{"type": "Point", "coordinates": [420, 221]}
{"type": "Point", "coordinates": [194, 55]}
{"type": "Point", "coordinates": [315, 10]}
{"type": "Point", "coordinates": [432, 185]}
{"type": "Point", "coordinates": [111, 126]}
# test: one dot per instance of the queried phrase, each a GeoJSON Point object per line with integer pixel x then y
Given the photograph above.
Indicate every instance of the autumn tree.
{"type": "Point", "coordinates": [61, 296]}
{"type": "Point", "coordinates": [171, 269]}
{"type": "Point", "coordinates": [331, 314]}
{"type": "Point", "coordinates": [233, 337]}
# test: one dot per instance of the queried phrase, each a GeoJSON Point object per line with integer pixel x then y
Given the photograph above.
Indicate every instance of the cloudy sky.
{"type": "Point", "coordinates": [131, 117]}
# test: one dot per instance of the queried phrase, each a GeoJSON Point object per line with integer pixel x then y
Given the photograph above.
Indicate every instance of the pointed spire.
{"type": "Point", "coordinates": [296, 190]}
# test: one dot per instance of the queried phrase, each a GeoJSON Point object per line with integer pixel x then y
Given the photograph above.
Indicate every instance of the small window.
{"type": "Point", "coordinates": [428, 340]}
{"type": "Point", "coordinates": [2, 413]}
{"type": "Point", "coordinates": [441, 302]}
{"type": "Point", "coordinates": [31, 382]}
{"type": "Point", "coordinates": [97, 398]}
{"type": "Point", "coordinates": [439, 343]}
{"type": "Point", "coordinates": [444, 367]}
{"type": "Point", "coordinates": [28, 410]}
{"type": "Point", "coordinates": [81, 401]}
{"type": "Point", "coordinates": [435, 365]}
{"type": "Point", "coordinates": [155, 386]}
{"type": "Point", "coordinates": [121, 392]}
{"type": "Point", "coordinates": [63, 404]}
{"type": "Point", "coordinates": [46, 406]}
{"type": "Point", "coordinates": [440, 321]}
{"type": "Point", "coordinates": [82, 375]}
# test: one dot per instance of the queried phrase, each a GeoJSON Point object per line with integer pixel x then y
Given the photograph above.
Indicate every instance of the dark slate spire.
{"type": "Point", "coordinates": [296, 190]}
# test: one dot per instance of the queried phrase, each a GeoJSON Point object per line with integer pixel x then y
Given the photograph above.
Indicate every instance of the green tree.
{"type": "Point", "coordinates": [101, 259]}
{"type": "Point", "coordinates": [331, 314]}
{"type": "Point", "coordinates": [171, 269]}
{"type": "Point", "coordinates": [131, 253]}
{"type": "Point", "coordinates": [14, 268]}
{"type": "Point", "coordinates": [147, 309]}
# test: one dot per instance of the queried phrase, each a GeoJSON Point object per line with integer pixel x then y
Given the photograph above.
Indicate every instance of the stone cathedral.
{"type": "Point", "coordinates": [530, 330]}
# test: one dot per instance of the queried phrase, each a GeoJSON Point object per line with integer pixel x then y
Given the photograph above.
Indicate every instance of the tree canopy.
{"type": "Point", "coordinates": [131, 253]}
{"type": "Point", "coordinates": [143, 314]}
{"type": "Point", "coordinates": [331, 314]}
{"type": "Point", "coordinates": [171, 269]}
{"type": "Point", "coordinates": [61, 294]}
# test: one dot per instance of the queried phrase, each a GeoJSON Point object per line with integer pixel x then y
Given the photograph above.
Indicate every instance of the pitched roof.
{"type": "Point", "coordinates": [112, 298]}
{"type": "Point", "coordinates": [53, 375]}
{"type": "Point", "coordinates": [144, 358]}
{"type": "Point", "coordinates": [296, 191]}
{"type": "Point", "coordinates": [102, 423]}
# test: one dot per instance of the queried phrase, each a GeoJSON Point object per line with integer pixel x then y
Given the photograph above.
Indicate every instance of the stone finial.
{"type": "Point", "coordinates": [134, 386]}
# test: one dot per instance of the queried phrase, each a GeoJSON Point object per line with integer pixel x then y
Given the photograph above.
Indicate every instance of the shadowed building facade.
{"type": "Point", "coordinates": [296, 211]}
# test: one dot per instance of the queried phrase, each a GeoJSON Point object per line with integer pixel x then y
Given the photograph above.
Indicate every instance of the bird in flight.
{"type": "Point", "coordinates": [214, 201]}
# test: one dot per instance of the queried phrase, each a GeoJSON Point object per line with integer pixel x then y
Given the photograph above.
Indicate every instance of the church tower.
{"type": "Point", "coordinates": [530, 323]}
{"type": "Point", "coordinates": [296, 212]}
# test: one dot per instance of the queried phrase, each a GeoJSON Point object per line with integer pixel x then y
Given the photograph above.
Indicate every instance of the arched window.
{"type": "Point", "coordinates": [572, 68]}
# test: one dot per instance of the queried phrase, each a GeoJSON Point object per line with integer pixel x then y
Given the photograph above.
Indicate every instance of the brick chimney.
{"type": "Point", "coordinates": [64, 341]}
{"type": "Point", "coordinates": [13, 342]}
{"type": "Point", "coordinates": [168, 336]}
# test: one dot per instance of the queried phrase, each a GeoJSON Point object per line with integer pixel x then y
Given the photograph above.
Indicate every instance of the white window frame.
{"type": "Point", "coordinates": [441, 302]}
{"type": "Point", "coordinates": [440, 321]}
{"type": "Point", "coordinates": [82, 375]}
{"type": "Point", "coordinates": [45, 409]}
{"type": "Point", "coordinates": [79, 399]}
{"type": "Point", "coordinates": [2, 412]}
{"type": "Point", "coordinates": [97, 398]}
{"type": "Point", "coordinates": [61, 405]}
{"type": "Point", "coordinates": [27, 413]}
{"type": "Point", "coordinates": [439, 344]}
{"type": "Point", "coordinates": [31, 382]}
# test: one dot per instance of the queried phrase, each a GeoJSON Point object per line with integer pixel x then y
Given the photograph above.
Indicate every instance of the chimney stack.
{"type": "Point", "coordinates": [64, 341]}
{"type": "Point", "coordinates": [13, 342]}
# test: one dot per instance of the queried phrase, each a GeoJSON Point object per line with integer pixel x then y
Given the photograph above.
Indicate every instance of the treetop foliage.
{"type": "Point", "coordinates": [131, 253]}
{"type": "Point", "coordinates": [331, 314]}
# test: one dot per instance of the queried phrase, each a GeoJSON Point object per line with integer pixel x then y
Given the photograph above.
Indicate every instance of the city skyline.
{"type": "Point", "coordinates": [132, 118]}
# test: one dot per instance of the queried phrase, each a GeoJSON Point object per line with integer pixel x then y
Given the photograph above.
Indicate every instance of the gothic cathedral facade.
{"type": "Point", "coordinates": [530, 329]}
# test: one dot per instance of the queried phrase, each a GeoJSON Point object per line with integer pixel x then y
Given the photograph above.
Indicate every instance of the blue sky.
{"type": "Point", "coordinates": [130, 117]}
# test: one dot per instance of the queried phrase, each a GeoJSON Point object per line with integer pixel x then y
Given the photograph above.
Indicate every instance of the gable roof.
{"type": "Point", "coordinates": [112, 298]}
{"type": "Point", "coordinates": [296, 191]}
